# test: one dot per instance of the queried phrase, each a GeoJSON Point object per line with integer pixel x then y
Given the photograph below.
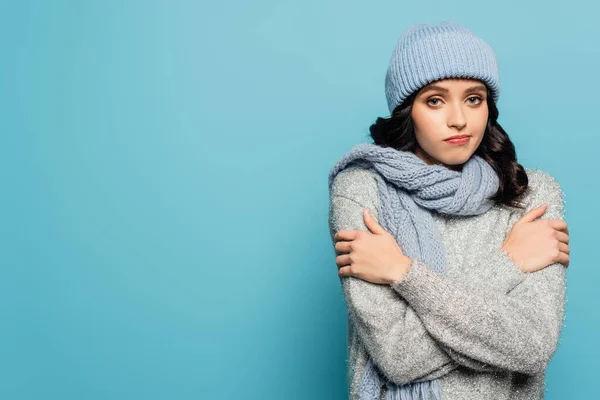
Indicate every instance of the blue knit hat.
{"type": "Point", "coordinates": [428, 52]}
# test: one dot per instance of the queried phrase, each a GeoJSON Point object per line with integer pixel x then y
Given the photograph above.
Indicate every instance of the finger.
{"type": "Point", "coordinates": [346, 234]}
{"type": "Point", "coordinates": [564, 248]}
{"type": "Point", "coordinates": [532, 214]}
{"type": "Point", "coordinates": [564, 259]}
{"type": "Point", "coordinates": [562, 237]}
{"type": "Point", "coordinates": [342, 246]}
{"type": "Point", "coordinates": [372, 223]}
{"type": "Point", "coordinates": [559, 225]}
{"type": "Point", "coordinates": [343, 260]}
{"type": "Point", "coordinates": [345, 271]}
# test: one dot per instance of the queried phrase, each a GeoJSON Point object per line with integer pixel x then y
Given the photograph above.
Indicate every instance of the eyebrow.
{"type": "Point", "coordinates": [472, 89]}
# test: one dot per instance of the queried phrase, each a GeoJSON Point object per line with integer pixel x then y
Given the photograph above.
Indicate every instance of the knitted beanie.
{"type": "Point", "coordinates": [429, 52]}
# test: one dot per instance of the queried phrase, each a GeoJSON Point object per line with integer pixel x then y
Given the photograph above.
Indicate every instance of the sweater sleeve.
{"type": "Point", "coordinates": [518, 330]}
{"type": "Point", "coordinates": [389, 329]}
{"type": "Point", "coordinates": [495, 272]}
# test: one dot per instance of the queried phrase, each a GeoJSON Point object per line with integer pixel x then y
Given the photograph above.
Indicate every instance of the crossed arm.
{"type": "Point", "coordinates": [428, 323]}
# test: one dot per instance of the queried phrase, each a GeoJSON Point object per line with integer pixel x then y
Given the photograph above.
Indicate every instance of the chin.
{"type": "Point", "coordinates": [456, 161]}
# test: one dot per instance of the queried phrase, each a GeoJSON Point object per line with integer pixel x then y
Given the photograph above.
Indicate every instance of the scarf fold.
{"type": "Point", "coordinates": [410, 191]}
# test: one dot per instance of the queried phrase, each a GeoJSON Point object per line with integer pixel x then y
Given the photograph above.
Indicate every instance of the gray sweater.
{"type": "Point", "coordinates": [485, 328]}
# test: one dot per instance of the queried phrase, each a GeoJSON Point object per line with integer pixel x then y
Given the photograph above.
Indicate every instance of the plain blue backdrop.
{"type": "Point", "coordinates": [164, 200]}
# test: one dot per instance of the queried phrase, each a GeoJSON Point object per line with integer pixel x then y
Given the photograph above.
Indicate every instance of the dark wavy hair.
{"type": "Point", "coordinates": [496, 148]}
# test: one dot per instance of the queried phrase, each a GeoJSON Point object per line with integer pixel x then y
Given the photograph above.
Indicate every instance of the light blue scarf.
{"type": "Point", "coordinates": [409, 191]}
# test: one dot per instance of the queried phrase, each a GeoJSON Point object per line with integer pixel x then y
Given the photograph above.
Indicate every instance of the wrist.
{"type": "Point", "coordinates": [507, 252]}
{"type": "Point", "coordinates": [511, 257]}
{"type": "Point", "coordinates": [400, 270]}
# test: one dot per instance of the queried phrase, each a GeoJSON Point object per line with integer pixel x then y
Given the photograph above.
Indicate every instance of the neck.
{"type": "Point", "coordinates": [418, 151]}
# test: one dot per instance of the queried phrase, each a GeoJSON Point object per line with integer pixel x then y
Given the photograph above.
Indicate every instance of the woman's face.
{"type": "Point", "coordinates": [446, 108]}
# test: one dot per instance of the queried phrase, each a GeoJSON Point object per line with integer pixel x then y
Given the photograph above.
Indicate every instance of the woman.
{"type": "Point", "coordinates": [451, 255]}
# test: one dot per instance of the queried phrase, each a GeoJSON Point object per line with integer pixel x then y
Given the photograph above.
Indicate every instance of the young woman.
{"type": "Point", "coordinates": [451, 254]}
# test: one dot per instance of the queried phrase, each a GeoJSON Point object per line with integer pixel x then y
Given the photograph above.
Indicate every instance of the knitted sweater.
{"type": "Point", "coordinates": [484, 327]}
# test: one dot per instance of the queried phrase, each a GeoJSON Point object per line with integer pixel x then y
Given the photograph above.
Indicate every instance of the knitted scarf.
{"type": "Point", "coordinates": [409, 191]}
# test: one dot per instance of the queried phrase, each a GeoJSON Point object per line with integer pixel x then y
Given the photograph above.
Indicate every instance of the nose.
{"type": "Point", "coordinates": [456, 117]}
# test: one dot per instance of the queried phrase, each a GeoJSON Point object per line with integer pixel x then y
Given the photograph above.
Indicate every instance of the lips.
{"type": "Point", "coordinates": [457, 137]}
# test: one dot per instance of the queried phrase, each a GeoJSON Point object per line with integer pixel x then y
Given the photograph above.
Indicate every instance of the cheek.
{"type": "Point", "coordinates": [479, 123]}
{"type": "Point", "coordinates": [480, 119]}
{"type": "Point", "coordinates": [427, 123]}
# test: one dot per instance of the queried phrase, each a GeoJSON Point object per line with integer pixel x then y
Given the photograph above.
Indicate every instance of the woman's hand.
{"type": "Point", "coordinates": [371, 256]}
{"type": "Point", "coordinates": [533, 245]}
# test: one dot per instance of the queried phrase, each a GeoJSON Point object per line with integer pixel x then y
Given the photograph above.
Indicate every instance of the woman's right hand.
{"type": "Point", "coordinates": [533, 245]}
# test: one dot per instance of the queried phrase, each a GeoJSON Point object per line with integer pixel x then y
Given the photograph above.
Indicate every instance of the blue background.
{"type": "Point", "coordinates": [164, 185]}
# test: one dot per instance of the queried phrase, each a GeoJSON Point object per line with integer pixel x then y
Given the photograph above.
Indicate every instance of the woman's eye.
{"type": "Point", "coordinates": [474, 98]}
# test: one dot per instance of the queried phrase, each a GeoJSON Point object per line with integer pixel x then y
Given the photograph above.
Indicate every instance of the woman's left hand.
{"type": "Point", "coordinates": [371, 256]}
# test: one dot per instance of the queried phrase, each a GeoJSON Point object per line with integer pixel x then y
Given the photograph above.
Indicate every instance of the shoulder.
{"type": "Point", "coordinates": [543, 188]}
{"type": "Point", "coordinates": [353, 189]}
{"type": "Point", "coordinates": [356, 183]}
{"type": "Point", "coordinates": [542, 181]}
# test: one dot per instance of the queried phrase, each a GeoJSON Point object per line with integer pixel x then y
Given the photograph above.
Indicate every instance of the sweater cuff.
{"type": "Point", "coordinates": [420, 282]}
{"type": "Point", "coordinates": [499, 273]}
